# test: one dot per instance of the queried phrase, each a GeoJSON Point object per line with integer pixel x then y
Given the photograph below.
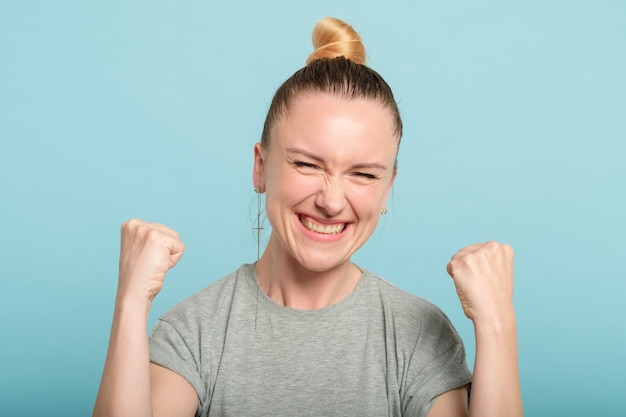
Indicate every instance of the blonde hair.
{"type": "Point", "coordinates": [336, 67]}
{"type": "Point", "coordinates": [333, 37]}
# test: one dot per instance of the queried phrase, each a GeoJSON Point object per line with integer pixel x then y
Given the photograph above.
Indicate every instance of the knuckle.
{"type": "Point", "coordinates": [508, 249]}
{"type": "Point", "coordinates": [126, 226]}
{"type": "Point", "coordinates": [151, 234]}
{"type": "Point", "coordinates": [462, 261]}
{"type": "Point", "coordinates": [492, 246]}
{"type": "Point", "coordinates": [131, 224]}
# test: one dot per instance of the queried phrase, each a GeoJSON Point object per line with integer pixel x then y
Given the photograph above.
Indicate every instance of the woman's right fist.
{"type": "Point", "coordinates": [148, 251]}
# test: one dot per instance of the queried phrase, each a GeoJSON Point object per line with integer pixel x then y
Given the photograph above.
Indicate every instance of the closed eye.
{"type": "Point", "coordinates": [366, 175]}
{"type": "Point", "coordinates": [300, 164]}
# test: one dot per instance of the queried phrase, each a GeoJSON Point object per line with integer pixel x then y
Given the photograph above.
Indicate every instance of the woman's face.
{"type": "Point", "coordinates": [327, 173]}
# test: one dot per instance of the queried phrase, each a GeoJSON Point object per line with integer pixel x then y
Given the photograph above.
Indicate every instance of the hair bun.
{"type": "Point", "coordinates": [333, 37]}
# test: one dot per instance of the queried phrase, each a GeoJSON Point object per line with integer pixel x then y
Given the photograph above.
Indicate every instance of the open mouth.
{"type": "Point", "coordinates": [327, 229]}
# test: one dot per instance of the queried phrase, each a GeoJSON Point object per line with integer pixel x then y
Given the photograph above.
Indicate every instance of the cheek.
{"type": "Point", "coordinates": [367, 199]}
{"type": "Point", "coordinates": [294, 183]}
{"type": "Point", "coordinates": [366, 203]}
{"type": "Point", "coordinates": [369, 194]}
{"type": "Point", "coordinates": [287, 188]}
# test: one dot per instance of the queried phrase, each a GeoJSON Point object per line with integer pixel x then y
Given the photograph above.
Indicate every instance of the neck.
{"type": "Point", "coordinates": [289, 283]}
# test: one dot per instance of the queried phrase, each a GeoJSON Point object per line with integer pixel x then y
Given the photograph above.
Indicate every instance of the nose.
{"type": "Point", "coordinates": [331, 198]}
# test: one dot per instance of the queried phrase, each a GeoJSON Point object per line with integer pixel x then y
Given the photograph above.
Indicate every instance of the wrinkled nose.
{"type": "Point", "coordinates": [331, 199]}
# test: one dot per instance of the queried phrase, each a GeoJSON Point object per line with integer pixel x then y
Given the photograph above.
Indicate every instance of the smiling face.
{"type": "Point", "coordinates": [327, 173]}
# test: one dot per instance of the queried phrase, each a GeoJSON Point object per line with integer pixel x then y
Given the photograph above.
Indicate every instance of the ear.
{"type": "Point", "coordinates": [258, 172]}
{"type": "Point", "coordinates": [389, 187]}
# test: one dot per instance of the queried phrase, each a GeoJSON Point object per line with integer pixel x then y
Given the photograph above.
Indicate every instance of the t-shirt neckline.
{"type": "Point", "coordinates": [266, 303]}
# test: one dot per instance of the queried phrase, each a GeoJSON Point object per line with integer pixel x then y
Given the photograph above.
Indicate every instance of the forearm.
{"type": "Point", "coordinates": [495, 386]}
{"type": "Point", "coordinates": [125, 386]}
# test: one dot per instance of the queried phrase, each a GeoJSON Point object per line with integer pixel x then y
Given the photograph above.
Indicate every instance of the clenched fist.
{"type": "Point", "coordinates": [483, 276]}
{"type": "Point", "coordinates": [148, 251]}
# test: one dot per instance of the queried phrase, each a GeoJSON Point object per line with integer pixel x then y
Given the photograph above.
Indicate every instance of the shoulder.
{"type": "Point", "coordinates": [403, 302]}
{"type": "Point", "coordinates": [204, 304]}
{"type": "Point", "coordinates": [415, 319]}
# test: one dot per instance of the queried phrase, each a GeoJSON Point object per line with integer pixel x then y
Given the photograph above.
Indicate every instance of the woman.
{"type": "Point", "coordinates": [304, 331]}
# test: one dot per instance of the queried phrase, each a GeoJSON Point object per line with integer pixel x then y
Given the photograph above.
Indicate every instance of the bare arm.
{"type": "Point", "coordinates": [495, 386]}
{"type": "Point", "coordinates": [131, 385]}
{"type": "Point", "coordinates": [483, 276]}
{"type": "Point", "coordinates": [167, 386]}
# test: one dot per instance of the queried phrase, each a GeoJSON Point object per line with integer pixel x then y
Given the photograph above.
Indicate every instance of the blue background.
{"type": "Point", "coordinates": [515, 117]}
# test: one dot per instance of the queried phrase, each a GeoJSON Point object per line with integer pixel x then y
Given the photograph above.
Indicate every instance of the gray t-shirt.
{"type": "Point", "coordinates": [379, 351]}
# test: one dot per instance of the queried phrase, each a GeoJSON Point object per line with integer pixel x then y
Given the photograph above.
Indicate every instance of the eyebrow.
{"type": "Point", "coordinates": [372, 165]}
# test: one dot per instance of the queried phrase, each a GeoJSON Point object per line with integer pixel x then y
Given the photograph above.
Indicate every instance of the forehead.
{"type": "Point", "coordinates": [332, 125]}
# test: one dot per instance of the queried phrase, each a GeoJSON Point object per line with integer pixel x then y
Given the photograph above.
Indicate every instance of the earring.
{"type": "Point", "coordinates": [383, 212]}
{"type": "Point", "coordinates": [258, 227]}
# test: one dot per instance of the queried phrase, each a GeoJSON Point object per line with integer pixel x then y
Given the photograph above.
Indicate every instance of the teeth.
{"type": "Point", "coordinates": [320, 228]}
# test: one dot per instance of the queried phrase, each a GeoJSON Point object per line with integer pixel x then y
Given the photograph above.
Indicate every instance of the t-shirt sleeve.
{"type": "Point", "coordinates": [169, 349]}
{"type": "Point", "coordinates": [438, 365]}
